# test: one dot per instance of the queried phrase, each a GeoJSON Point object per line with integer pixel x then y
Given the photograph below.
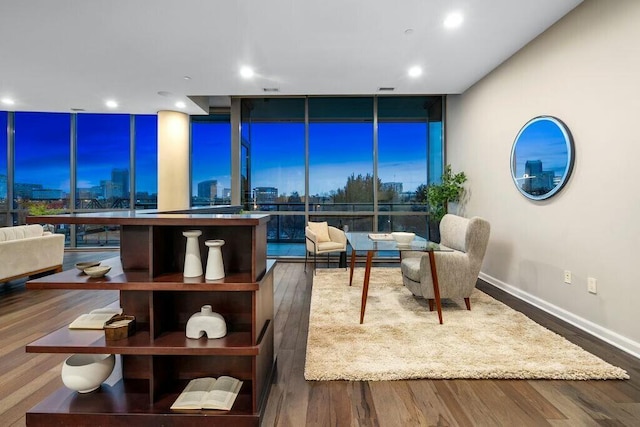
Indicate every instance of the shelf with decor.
{"type": "Point", "coordinates": [158, 360]}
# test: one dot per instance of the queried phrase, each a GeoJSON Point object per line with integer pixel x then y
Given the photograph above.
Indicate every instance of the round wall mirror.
{"type": "Point", "coordinates": [542, 157]}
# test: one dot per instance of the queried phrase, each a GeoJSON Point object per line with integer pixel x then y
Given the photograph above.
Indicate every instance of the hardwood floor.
{"type": "Point", "coordinates": [25, 378]}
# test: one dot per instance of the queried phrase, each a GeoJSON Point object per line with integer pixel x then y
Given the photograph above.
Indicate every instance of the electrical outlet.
{"type": "Point", "coordinates": [567, 276]}
{"type": "Point", "coordinates": [592, 285]}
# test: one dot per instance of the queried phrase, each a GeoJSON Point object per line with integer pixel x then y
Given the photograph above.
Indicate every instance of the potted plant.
{"type": "Point", "coordinates": [438, 197]}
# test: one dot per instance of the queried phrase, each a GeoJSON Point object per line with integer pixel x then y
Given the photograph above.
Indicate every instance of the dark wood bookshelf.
{"type": "Point", "coordinates": [127, 404]}
{"type": "Point", "coordinates": [158, 360]}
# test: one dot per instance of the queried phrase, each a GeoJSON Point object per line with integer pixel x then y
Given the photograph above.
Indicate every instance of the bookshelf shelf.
{"type": "Point", "coordinates": [158, 360]}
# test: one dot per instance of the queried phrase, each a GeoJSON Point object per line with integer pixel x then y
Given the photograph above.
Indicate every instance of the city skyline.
{"type": "Point", "coordinates": [336, 151]}
{"type": "Point", "coordinates": [543, 141]}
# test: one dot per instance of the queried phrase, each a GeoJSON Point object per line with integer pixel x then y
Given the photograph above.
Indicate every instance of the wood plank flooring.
{"type": "Point", "coordinates": [26, 378]}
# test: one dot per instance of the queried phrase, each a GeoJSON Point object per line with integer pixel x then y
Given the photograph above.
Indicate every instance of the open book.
{"type": "Point", "coordinates": [209, 393]}
{"type": "Point", "coordinates": [96, 319]}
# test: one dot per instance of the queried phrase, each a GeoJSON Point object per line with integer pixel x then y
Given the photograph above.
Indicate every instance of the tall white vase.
{"type": "Point", "coordinates": [215, 265]}
{"type": "Point", "coordinates": [192, 261]}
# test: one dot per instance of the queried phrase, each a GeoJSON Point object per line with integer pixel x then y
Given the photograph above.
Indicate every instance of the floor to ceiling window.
{"type": "Point", "coordinates": [341, 154]}
{"type": "Point", "coordinates": [368, 163]}
{"type": "Point", "coordinates": [3, 168]}
{"type": "Point", "coordinates": [210, 160]}
{"type": "Point", "coordinates": [103, 177]}
{"type": "Point", "coordinates": [357, 162]}
{"type": "Point", "coordinates": [403, 140]}
{"type": "Point", "coordinates": [41, 163]}
{"type": "Point", "coordinates": [103, 150]}
{"type": "Point", "coordinates": [146, 164]}
{"type": "Point", "coordinates": [275, 135]}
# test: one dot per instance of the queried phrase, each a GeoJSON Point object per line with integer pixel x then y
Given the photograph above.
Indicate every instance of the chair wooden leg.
{"type": "Point", "coordinates": [468, 303]}
{"type": "Point", "coordinates": [431, 301]}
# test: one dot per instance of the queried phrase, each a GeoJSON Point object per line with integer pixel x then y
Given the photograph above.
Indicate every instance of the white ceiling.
{"type": "Point", "coordinates": [64, 54]}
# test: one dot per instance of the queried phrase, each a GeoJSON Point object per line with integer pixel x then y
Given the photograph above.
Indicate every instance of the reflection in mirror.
{"type": "Point", "coordinates": [542, 157]}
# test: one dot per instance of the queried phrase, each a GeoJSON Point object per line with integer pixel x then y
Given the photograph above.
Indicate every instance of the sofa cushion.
{"type": "Point", "coordinates": [453, 230]}
{"type": "Point", "coordinates": [411, 268]}
{"type": "Point", "coordinates": [20, 232]}
{"type": "Point", "coordinates": [321, 230]}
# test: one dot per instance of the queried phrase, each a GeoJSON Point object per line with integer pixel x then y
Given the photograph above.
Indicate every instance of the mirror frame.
{"type": "Point", "coordinates": [568, 168]}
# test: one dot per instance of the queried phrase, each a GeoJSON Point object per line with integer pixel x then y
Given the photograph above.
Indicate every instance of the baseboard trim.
{"type": "Point", "coordinates": [604, 334]}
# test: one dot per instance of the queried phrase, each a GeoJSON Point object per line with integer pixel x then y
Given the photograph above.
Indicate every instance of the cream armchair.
{"type": "Point", "coordinates": [322, 238]}
{"type": "Point", "coordinates": [458, 269]}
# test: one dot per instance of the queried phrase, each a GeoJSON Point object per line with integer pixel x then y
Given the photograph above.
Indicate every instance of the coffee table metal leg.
{"type": "Point", "coordinates": [436, 286]}
{"type": "Point", "coordinates": [365, 286]}
{"type": "Point", "coordinates": [353, 265]}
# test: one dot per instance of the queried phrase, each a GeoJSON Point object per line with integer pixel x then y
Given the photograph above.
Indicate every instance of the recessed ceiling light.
{"type": "Point", "coordinates": [453, 20]}
{"type": "Point", "coordinates": [111, 104]}
{"type": "Point", "coordinates": [164, 93]}
{"type": "Point", "coordinates": [8, 101]}
{"type": "Point", "coordinates": [415, 71]}
{"type": "Point", "coordinates": [187, 77]}
{"type": "Point", "coordinates": [408, 31]}
{"type": "Point", "coordinates": [180, 104]}
{"type": "Point", "coordinates": [246, 72]}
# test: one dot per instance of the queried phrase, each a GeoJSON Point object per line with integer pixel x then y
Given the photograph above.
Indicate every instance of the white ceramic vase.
{"type": "Point", "coordinates": [192, 261]}
{"type": "Point", "coordinates": [215, 264]}
{"type": "Point", "coordinates": [206, 322]}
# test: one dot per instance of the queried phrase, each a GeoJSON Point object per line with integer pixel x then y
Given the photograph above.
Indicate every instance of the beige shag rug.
{"type": "Point", "coordinates": [401, 338]}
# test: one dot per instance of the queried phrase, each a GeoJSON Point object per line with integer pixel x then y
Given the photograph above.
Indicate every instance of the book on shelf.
{"type": "Point", "coordinates": [96, 319]}
{"type": "Point", "coordinates": [209, 393]}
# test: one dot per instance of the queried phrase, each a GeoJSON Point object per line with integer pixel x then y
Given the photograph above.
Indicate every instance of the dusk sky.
{"type": "Point", "coordinates": [336, 150]}
{"type": "Point", "coordinates": [542, 140]}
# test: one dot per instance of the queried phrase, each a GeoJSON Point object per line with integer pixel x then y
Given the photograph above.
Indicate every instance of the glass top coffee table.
{"type": "Point", "coordinates": [374, 242]}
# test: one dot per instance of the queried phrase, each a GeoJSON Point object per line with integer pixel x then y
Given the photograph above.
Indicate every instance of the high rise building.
{"type": "Point", "coordinates": [265, 194]}
{"type": "Point", "coordinates": [208, 189]}
{"type": "Point", "coordinates": [25, 191]}
{"type": "Point", "coordinates": [3, 186]}
{"type": "Point", "coordinates": [120, 183]}
{"type": "Point", "coordinates": [537, 181]}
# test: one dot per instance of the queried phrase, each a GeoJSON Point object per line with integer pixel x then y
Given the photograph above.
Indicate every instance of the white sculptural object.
{"type": "Point", "coordinates": [192, 261]}
{"type": "Point", "coordinates": [206, 322]}
{"type": "Point", "coordinates": [215, 265]}
{"type": "Point", "coordinates": [85, 372]}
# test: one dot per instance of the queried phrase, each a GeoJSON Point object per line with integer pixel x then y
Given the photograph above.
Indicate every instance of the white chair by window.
{"type": "Point", "coordinates": [322, 238]}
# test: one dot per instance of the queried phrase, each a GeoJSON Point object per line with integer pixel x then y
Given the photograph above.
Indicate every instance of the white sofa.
{"type": "Point", "coordinates": [28, 249]}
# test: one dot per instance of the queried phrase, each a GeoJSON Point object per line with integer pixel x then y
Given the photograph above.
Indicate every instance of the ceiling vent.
{"type": "Point", "coordinates": [386, 89]}
{"type": "Point", "coordinates": [270, 89]}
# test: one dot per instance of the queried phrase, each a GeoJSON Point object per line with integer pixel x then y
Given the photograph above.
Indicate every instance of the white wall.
{"type": "Point", "coordinates": [584, 70]}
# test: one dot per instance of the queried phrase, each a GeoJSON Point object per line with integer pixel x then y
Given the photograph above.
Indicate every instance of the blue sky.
{"type": "Point", "coordinates": [336, 150]}
{"type": "Point", "coordinates": [542, 140]}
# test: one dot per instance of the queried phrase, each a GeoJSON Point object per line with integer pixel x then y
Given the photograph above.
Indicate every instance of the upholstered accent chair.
{"type": "Point", "coordinates": [457, 270]}
{"type": "Point", "coordinates": [322, 238]}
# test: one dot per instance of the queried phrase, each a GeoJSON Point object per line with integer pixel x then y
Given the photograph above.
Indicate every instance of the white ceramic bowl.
{"type": "Point", "coordinates": [82, 265]}
{"type": "Point", "coordinates": [85, 372]}
{"type": "Point", "coordinates": [403, 238]}
{"type": "Point", "coordinates": [97, 271]}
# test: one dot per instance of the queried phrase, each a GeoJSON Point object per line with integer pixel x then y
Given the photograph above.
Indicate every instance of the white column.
{"type": "Point", "coordinates": [173, 161]}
